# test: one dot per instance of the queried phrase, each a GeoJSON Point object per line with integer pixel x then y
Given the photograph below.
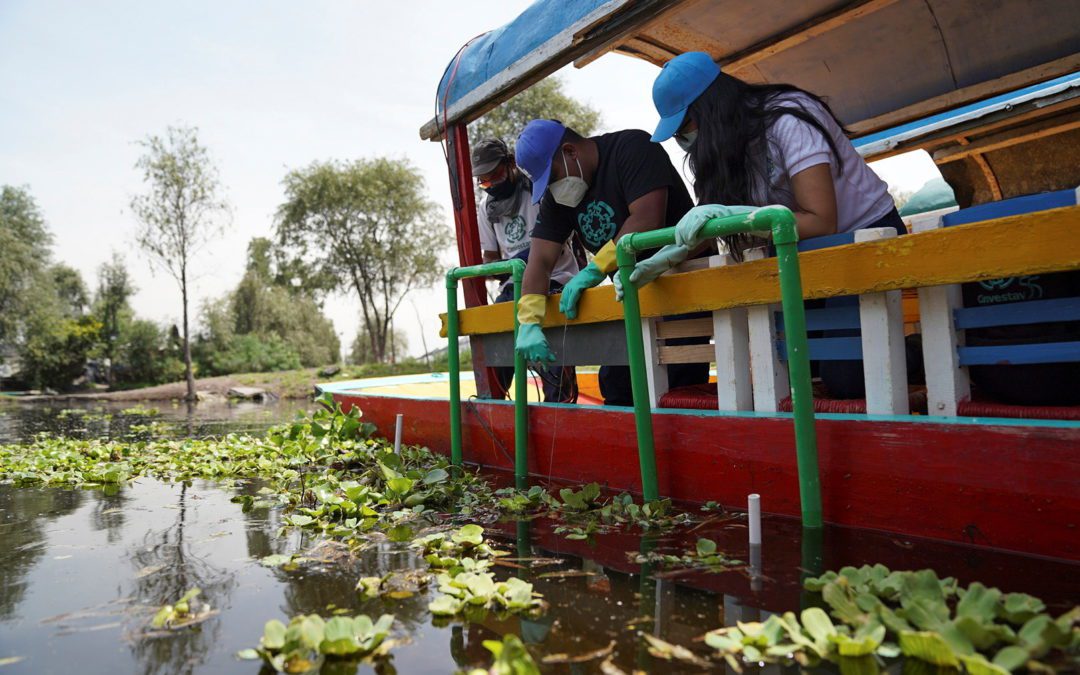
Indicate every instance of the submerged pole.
{"type": "Point", "coordinates": [780, 222]}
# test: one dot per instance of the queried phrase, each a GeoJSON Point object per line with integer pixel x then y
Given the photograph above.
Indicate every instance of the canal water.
{"type": "Point", "coordinates": [82, 572]}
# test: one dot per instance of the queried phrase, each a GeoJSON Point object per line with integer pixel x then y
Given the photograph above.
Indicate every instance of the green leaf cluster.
{"type": "Point", "coordinates": [982, 629]}
{"type": "Point", "coordinates": [303, 645]}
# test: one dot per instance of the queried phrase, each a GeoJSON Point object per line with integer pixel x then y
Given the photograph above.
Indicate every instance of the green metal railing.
{"type": "Point", "coordinates": [516, 269]}
{"type": "Point", "coordinates": [781, 222]}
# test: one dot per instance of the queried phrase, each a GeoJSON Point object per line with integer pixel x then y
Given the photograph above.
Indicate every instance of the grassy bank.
{"type": "Point", "coordinates": [285, 384]}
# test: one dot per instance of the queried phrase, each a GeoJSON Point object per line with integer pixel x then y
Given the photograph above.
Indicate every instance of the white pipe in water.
{"type": "Point", "coordinates": [397, 433]}
{"type": "Point", "coordinates": [753, 508]}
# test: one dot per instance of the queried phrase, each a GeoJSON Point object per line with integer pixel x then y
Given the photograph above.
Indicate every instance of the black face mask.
{"type": "Point", "coordinates": [502, 190]}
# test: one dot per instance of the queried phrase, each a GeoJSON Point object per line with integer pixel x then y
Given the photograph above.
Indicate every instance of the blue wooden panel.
{"type": "Point", "coordinates": [845, 317]}
{"type": "Point", "coordinates": [828, 241]}
{"type": "Point", "coordinates": [1011, 207]}
{"type": "Point", "coordinates": [1049, 352]}
{"type": "Point", "coordinates": [828, 349]}
{"type": "Point", "coordinates": [1018, 313]}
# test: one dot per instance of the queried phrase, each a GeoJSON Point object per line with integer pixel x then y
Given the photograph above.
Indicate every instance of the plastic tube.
{"type": "Point", "coordinates": [753, 511]}
{"type": "Point", "coordinates": [397, 433]}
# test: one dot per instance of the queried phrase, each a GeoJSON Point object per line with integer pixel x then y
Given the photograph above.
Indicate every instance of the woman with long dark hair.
{"type": "Point", "coordinates": [756, 145]}
{"type": "Point", "coordinates": [761, 144]}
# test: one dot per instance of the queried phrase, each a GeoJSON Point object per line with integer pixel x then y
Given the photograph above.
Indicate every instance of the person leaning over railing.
{"type": "Point", "coordinates": [602, 187]}
{"type": "Point", "coordinates": [505, 216]}
{"type": "Point", "coordinates": [757, 145]}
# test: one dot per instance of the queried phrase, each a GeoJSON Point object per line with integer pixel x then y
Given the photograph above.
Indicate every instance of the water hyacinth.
{"type": "Point", "coordinates": [302, 646]}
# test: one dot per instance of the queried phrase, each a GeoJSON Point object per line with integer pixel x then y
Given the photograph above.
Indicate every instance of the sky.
{"type": "Point", "coordinates": [271, 86]}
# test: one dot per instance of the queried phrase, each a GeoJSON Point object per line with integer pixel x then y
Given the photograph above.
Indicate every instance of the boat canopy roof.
{"type": "Point", "coordinates": [880, 63]}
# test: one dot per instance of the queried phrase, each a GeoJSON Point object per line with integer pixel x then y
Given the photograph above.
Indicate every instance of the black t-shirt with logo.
{"type": "Point", "coordinates": [630, 166]}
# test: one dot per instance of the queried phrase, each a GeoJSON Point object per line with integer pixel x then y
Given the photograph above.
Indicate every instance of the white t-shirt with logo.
{"type": "Point", "coordinates": [794, 145]}
{"type": "Point", "coordinates": [510, 235]}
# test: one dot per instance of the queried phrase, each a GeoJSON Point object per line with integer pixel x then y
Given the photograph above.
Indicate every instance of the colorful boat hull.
{"type": "Point", "coordinates": [1006, 484]}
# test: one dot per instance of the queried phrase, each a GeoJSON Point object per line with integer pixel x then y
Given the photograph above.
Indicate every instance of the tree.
{"type": "Point", "coordinates": [111, 306]}
{"type": "Point", "coordinates": [179, 214]}
{"type": "Point", "coordinates": [25, 249]}
{"type": "Point", "coordinates": [70, 290]}
{"type": "Point", "coordinates": [362, 352]}
{"type": "Point", "coordinates": [543, 100]}
{"type": "Point", "coordinates": [368, 222]}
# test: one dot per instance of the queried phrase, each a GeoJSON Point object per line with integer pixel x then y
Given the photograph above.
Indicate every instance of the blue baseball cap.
{"type": "Point", "coordinates": [679, 83]}
{"type": "Point", "coordinates": [534, 151]}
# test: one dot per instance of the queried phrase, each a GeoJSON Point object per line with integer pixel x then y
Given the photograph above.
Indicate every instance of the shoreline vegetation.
{"type": "Point", "coordinates": [295, 384]}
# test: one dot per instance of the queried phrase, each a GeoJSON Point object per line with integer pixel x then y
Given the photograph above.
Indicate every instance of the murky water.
{"type": "Point", "coordinates": [82, 572]}
{"type": "Point", "coordinates": [131, 421]}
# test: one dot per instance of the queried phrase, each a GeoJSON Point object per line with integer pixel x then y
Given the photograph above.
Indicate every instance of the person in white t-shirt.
{"type": "Point", "coordinates": [506, 216]}
{"type": "Point", "coordinates": [761, 144]}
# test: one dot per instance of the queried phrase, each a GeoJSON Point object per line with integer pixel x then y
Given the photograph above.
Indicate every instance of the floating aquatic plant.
{"type": "Point", "coordinates": [186, 611]}
{"type": "Point", "coordinates": [511, 658]}
{"type": "Point", "coordinates": [302, 646]}
{"type": "Point", "coordinates": [979, 629]}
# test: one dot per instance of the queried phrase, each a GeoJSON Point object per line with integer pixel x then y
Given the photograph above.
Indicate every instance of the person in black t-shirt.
{"type": "Point", "coordinates": [603, 187]}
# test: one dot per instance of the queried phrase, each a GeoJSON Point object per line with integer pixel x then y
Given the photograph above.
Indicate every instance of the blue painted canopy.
{"type": "Point", "coordinates": [494, 52]}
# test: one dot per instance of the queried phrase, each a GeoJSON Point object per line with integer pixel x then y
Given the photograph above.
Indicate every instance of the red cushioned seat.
{"type": "Point", "coordinates": [969, 408]}
{"type": "Point", "coordinates": [703, 397]}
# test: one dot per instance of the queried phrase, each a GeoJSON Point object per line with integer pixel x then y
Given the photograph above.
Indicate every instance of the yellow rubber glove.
{"type": "Point", "coordinates": [530, 341]}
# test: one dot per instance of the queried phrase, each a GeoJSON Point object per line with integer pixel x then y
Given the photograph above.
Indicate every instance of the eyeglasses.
{"type": "Point", "coordinates": [496, 176]}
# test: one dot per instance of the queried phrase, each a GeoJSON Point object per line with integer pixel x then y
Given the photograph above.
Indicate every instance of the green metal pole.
{"type": "Point", "coordinates": [453, 366]}
{"type": "Point", "coordinates": [521, 394]}
{"type": "Point", "coordinates": [516, 269]}
{"type": "Point", "coordinates": [781, 222]}
{"type": "Point", "coordinates": [639, 385]}
{"type": "Point", "coordinates": [785, 238]}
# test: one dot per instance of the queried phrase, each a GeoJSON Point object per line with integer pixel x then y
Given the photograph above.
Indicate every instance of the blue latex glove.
{"type": "Point", "coordinates": [688, 229]}
{"type": "Point", "coordinates": [588, 277]}
{"type": "Point", "coordinates": [532, 344]}
{"type": "Point", "coordinates": [647, 270]}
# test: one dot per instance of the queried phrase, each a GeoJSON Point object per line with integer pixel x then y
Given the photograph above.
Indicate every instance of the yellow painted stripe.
{"type": "Point", "coordinates": [1034, 243]}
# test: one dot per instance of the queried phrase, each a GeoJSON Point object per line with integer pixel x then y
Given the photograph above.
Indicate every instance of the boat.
{"type": "Point", "coordinates": [992, 93]}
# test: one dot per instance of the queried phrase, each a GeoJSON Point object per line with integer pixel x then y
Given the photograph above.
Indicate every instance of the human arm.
{"type": "Point", "coordinates": [815, 197]}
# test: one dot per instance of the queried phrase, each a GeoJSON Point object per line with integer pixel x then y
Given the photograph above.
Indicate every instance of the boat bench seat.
{"type": "Point", "coordinates": [944, 319]}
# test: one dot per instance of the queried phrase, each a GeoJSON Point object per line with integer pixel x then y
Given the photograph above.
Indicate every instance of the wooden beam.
{"type": "Point", "coordinates": [1035, 110]}
{"type": "Point", "coordinates": [610, 46]}
{"type": "Point", "coordinates": [1035, 243]}
{"type": "Point", "coordinates": [686, 354]}
{"type": "Point", "coordinates": [804, 32]}
{"type": "Point", "coordinates": [975, 92]}
{"type": "Point", "coordinates": [1005, 139]}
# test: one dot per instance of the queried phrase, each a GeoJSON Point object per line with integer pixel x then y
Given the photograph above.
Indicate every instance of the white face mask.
{"type": "Point", "coordinates": [686, 141]}
{"type": "Point", "coordinates": [571, 190]}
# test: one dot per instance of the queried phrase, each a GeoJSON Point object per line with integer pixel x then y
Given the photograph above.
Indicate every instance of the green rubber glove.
{"type": "Point", "coordinates": [648, 269]}
{"type": "Point", "coordinates": [688, 229]}
{"type": "Point", "coordinates": [532, 344]}
{"type": "Point", "coordinates": [588, 277]}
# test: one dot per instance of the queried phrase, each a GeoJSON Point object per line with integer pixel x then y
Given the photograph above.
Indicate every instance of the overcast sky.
{"type": "Point", "coordinates": [271, 86]}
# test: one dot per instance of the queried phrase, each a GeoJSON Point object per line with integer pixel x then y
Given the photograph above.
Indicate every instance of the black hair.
{"type": "Point", "coordinates": [728, 158]}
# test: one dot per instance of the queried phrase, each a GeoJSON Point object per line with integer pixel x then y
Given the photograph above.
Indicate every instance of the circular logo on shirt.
{"type": "Point", "coordinates": [597, 223]}
{"type": "Point", "coordinates": [515, 229]}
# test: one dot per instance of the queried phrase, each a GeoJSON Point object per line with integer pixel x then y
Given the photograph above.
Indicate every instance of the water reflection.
{"type": "Point", "coordinates": [106, 420]}
{"type": "Point", "coordinates": [82, 572]}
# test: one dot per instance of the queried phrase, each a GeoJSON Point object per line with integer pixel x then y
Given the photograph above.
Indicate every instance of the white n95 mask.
{"type": "Point", "coordinates": [571, 190]}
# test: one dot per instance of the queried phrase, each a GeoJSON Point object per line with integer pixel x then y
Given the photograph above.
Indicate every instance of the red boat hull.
{"type": "Point", "coordinates": [1001, 484]}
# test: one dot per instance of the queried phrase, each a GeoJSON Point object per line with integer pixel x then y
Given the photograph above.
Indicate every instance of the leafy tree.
{"type": "Point", "coordinates": [146, 355]}
{"type": "Point", "coordinates": [179, 214]}
{"type": "Point", "coordinates": [543, 100]}
{"type": "Point", "coordinates": [56, 342]}
{"type": "Point", "coordinates": [25, 245]}
{"type": "Point", "coordinates": [70, 290]}
{"type": "Point", "coordinates": [263, 308]}
{"type": "Point", "coordinates": [362, 352]}
{"type": "Point", "coordinates": [111, 307]}
{"type": "Point", "coordinates": [368, 222]}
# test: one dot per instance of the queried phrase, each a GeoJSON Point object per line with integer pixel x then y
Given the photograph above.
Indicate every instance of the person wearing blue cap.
{"type": "Point", "coordinates": [759, 144]}
{"type": "Point", "coordinates": [601, 187]}
{"type": "Point", "coordinates": [504, 216]}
